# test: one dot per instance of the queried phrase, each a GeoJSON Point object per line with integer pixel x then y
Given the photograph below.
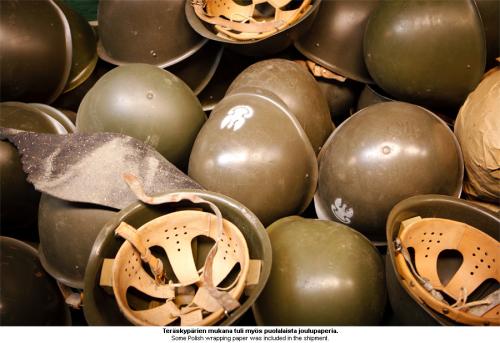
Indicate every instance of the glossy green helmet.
{"type": "Point", "coordinates": [147, 103]}
{"type": "Point", "coordinates": [323, 273]}
{"type": "Point", "coordinates": [253, 149]}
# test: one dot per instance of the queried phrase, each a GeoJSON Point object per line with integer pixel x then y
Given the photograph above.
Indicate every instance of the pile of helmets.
{"type": "Point", "coordinates": [334, 162]}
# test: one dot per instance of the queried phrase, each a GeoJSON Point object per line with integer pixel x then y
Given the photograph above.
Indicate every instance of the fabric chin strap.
{"type": "Point", "coordinates": [196, 298]}
{"type": "Point", "coordinates": [428, 238]}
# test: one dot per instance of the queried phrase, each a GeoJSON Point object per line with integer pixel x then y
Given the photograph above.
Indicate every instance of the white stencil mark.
{"type": "Point", "coordinates": [341, 211]}
{"type": "Point", "coordinates": [236, 117]}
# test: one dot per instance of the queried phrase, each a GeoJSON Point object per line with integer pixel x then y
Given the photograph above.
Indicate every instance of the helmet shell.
{"type": "Point", "coordinates": [36, 51]}
{"type": "Point", "coordinates": [29, 296]}
{"type": "Point", "coordinates": [254, 150]}
{"type": "Point", "coordinates": [335, 40]}
{"type": "Point", "coordinates": [297, 88]}
{"type": "Point", "coordinates": [323, 273]}
{"type": "Point", "coordinates": [407, 310]}
{"type": "Point", "coordinates": [381, 155]}
{"type": "Point", "coordinates": [371, 95]}
{"type": "Point", "coordinates": [147, 103]}
{"type": "Point", "coordinates": [100, 307]}
{"type": "Point", "coordinates": [153, 32]}
{"type": "Point", "coordinates": [431, 53]}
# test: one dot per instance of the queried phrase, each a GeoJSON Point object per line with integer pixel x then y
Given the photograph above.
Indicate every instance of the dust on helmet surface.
{"type": "Point", "coordinates": [323, 273]}
{"type": "Point", "coordinates": [36, 51]}
{"type": "Point", "coordinates": [276, 27]}
{"type": "Point", "coordinates": [335, 40]}
{"type": "Point", "coordinates": [153, 32]}
{"type": "Point", "coordinates": [28, 295]}
{"type": "Point", "coordinates": [254, 150]}
{"type": "Point", "coordinates": [456, 243]}
{"type": "Point", "coordinates": [18, 198]}
{"type": "Point", "coordinates": [430, 53]}
{"type": "Point", "coordinates": [67, 232]}
{"type": "Point", "coordinates": [176, 220]}
{"type": "Point", "coordinates": [147, 103]}
{"type": "Point", "coordinates": [381, 155]}
{"type": "Point", "coordinates": [297, 88]}
{"type": "Point", "coordinates": [478, 131]}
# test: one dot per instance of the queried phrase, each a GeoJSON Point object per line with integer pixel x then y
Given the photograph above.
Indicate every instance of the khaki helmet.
{"type": "Point", "coordinates": [36, 51]}
{"type": "Point", "coordinates": [254, 150]}
{"type": "Point", "coordinates": [18, 198]}
{"type": "Point", "coordinates": [254, 28]}
{"type": "Point", "coordinates": [28, 295]}
{"type": "Point", "coordinates": [490, 15]}
{"type": "Point", "coordinates": [371, 95]}
{"type": "Point", "coordinates": [153, 32]}
{"type": "Point", "coordinates": [297, 88]}
{"type": "Point", "coordinates": [451, 239]}
{"type": "Point", "coordinates": [174, 217]}
{"type": "Point", "coordinates": [341, 98]}
{"type": "Point", "coordinates": [436, 60]}
{"type": "Point", "coordinates": [381, 155]}
{"type": "Point", "coordinates": [53, 112]}
{"type": "Point", "coordinates": [147, 103]}
{"type": "Point", "coordinates": [335, 40]}
{"type": "Point", "coordinates": [323, 273]}
{"type": "Point", "coordinates": [478, 131]}
{"type": "Point", "coordinates": [67, 232]}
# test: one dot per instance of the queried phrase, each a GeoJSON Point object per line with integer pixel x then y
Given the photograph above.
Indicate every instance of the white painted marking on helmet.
{"type": "Point", "coordinates": [341, 211]}
{"type": "Point", "coordinates": [236, 117]}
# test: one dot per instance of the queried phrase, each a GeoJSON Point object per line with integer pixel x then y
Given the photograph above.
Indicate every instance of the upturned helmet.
{"type": "Point", "coordinates": [381, 155]}
{"type": "Point", "coordinates": [253, 149]}
{"type": "Point", "coordinates": [323, 273]}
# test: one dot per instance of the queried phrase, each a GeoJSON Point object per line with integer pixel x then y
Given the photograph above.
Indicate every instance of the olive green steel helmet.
{"type": "Point", "coordinates": [61, 117]}
{"type": "Point", "coordinates": [18, 198]}
{"type": "Point", "coordinates": [431, 53]}
{"type": "Point", "coordinates": [36, 51]}
{"type": "Point", "coordinates": [410, 309]}
{"type": "Point", "coordinates": [297, 88]}
{"type": "Point", "coordinates": [490, 15]}
{"type": "Point", "coordinates": [28, 296]}
{"type": "Point", "coordinates": [381, 155]}
{"type": "Point", "coordinates": [147, 103]}
{"type": "Point", "coordinates": [67, 232]}
{"type": "Point", "coordinates": [153, 32]}
{"type": "Point", "coordinates": [371, 95]}
{"type": "Point", "coordinates": [335, 40]}
{"type": "Point", "coordinates": [323, 273]}
{"type": "Point", "coordinates": [478, 131]}
{"type": "Point", "coordinates": [101, 306]}
{"type": "Point", "coordinates": [341, 98]}
{"type": "Point", "coordinates": [254, 150]}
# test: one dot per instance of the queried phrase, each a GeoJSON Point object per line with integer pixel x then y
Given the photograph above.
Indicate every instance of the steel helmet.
{"type": "Point", "coordinates": [371, 95]}
{"type": "Point", "coordinates": [323, 273]}
{"type": "Point", "coordinates": [153, 32]}
{"type": "Point", "coordinates": [335, 40]}
{"type": "Point", "coordinates": [36, 51]}
{"type": "Point", "coordinates": [145, 102]}
{"type": "Point", "coordinates": [381, 155]}
{"type": "Point", "coordinates": [341, 98]}
{"type": "Point", "coordinates": [435, 60]}
{"type": "Point", "coordinates": [478, 131]}
{"type": "Point", "coordinates": [28, 296]}
{"type": "Point", "coordinates": [67, 232]}
{"type": "Point", "coordinates": [18, 198]}
{"type": "Point", "coordinates": [464, 263]}
{"type": "Point", "coordinates": [254, 150]}
{"type": "Point", "coordinates": [297, 88]}
{"type": "Point", "coordinates": [490, 15]}
{"type": "Point", "coordinates": [61, 117]}
{"type": "Point", "coordinates": [102, 307]}
{"type": "Point", "coordinates": [254, 28]}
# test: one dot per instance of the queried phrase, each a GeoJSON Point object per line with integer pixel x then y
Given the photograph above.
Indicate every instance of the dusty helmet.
{"type": "Point", "coordinates": [276, 27]}
{"type": "Point", "coordinates": [307, 255]}
{"type": "Point", "coordinates": [147, 103]}
{"type": "Point", "coordinates": [461, 263]}
{"type": "Point", "coordinates": [18, 198]}
{"type": "Point", "coordinates": [254, 150]}
{"type": "Point", "coordinates": [297, 88]}
{"type": "Point", "coordinates": [36, 51]}
{"type": "Point", "coordinates": [67, 232]}
{"type": "Point", "coordinates": [381, 155]}
{"type": "Point", "coordinates": [102, 307]}
{"type": "Point", "coordinates": [335, 40]}
{"type": "Point", "coordinates": [478, 131]}
{"type": "Point", "coordinates": [436, 60]}
{"type": "Point", "coordinates": [153, 32]}
{"type": "Point", "coordinates": [28, 296]}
